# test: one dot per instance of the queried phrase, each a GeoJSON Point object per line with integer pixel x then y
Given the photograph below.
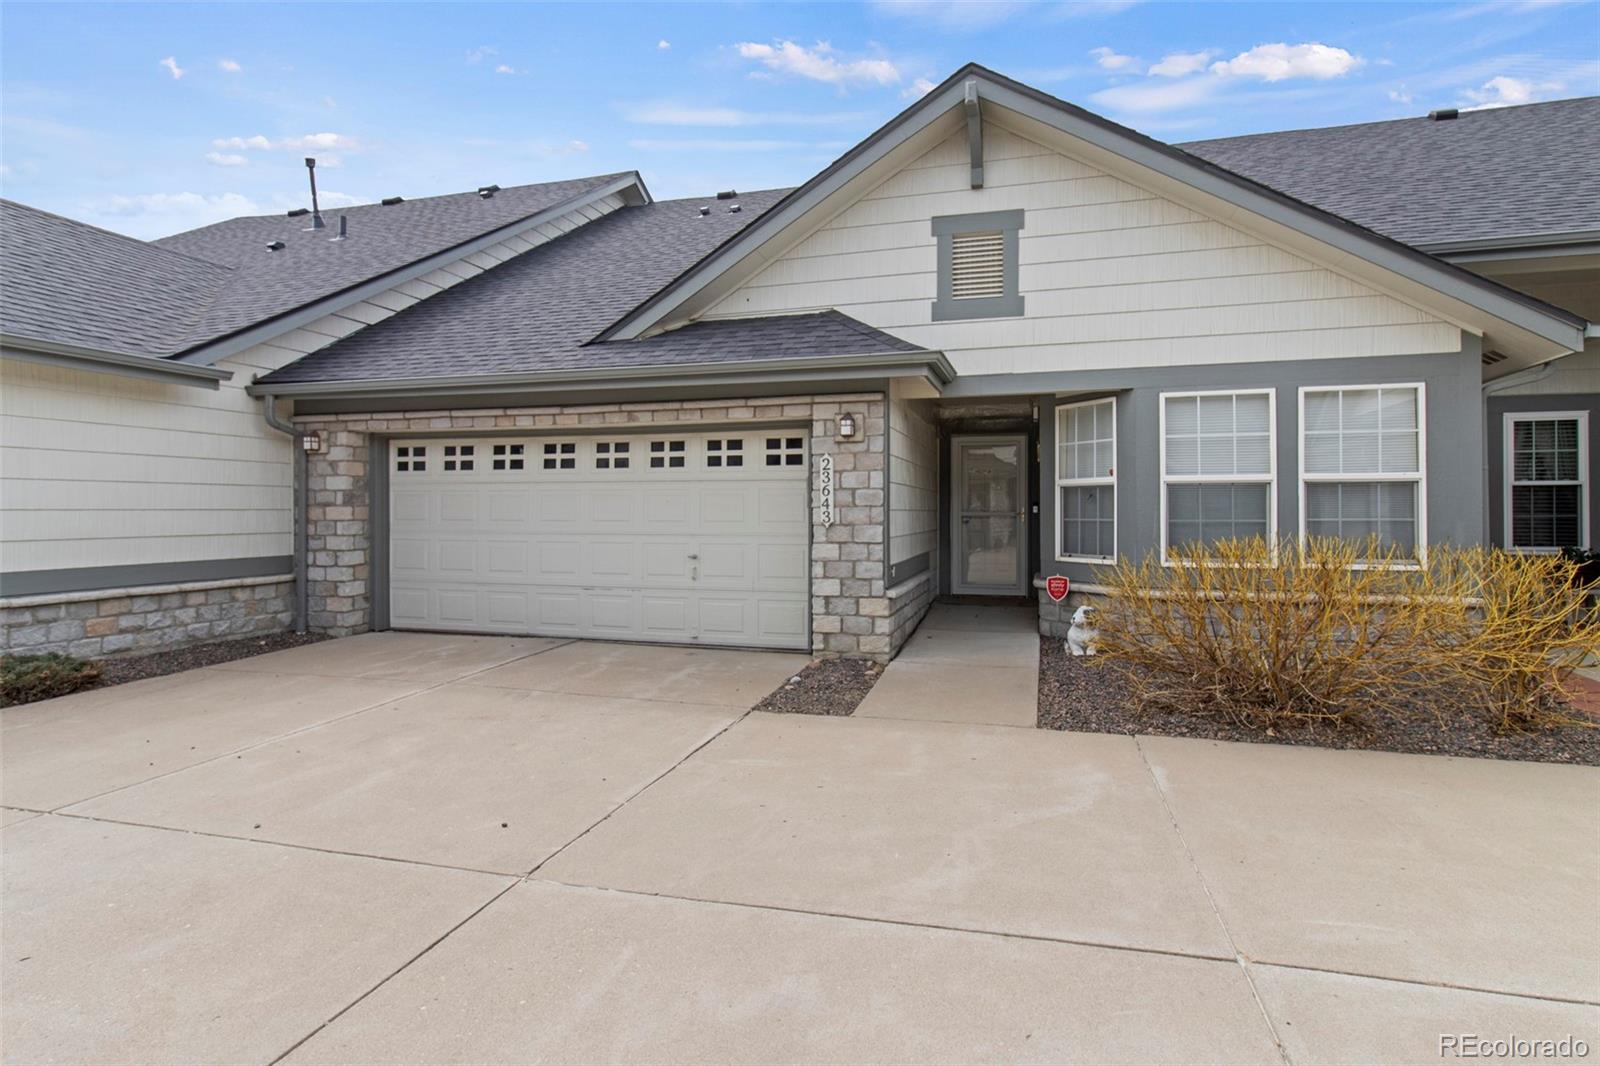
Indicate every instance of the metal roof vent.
{"type": "Point", "coordinates": [344, 229]}
{"type": "Point", "coordinates": [486, 191]}
{"type": "Point", "coordinates": [390, 201]}
{"type": "Point", "coordinates": [730, 194]}
{"type": "Point", "coordinates": [1444, 114]}
{"type": "Point", "coordinates": [734, 209]}
{"type": "Point", "coordinates": [1490, 358]}
{"type": "Point", "coordinates": [704, 211]}
{"type": "Point", "coordinates": [276, 246]}
{"type": "Point", "coordinates": [297, 212]}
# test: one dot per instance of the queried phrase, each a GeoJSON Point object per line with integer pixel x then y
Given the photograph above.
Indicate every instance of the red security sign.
{"type": "Point", "coordinates": [1057, 587]}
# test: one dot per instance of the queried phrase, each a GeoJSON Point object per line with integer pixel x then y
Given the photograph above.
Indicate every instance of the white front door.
{"type": "Point", "coordinates": [674, 537]}
{"type": "Point", "coordinates": [989, 515]}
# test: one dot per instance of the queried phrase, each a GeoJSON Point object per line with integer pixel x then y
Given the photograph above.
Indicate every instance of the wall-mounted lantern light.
{"type": "Point", "coordinates": [311, 443]}
{"type": "Point", "coordinates": [847, 426]}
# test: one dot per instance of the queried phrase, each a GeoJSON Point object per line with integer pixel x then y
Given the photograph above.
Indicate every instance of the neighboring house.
{"type": "Point", "coordinates": [1002, 338]}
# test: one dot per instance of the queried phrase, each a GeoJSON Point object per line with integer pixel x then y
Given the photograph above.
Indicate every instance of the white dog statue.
{"type": "Point", "coordinates": [1082, 636]}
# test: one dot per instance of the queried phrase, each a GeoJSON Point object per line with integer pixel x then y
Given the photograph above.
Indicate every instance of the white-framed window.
{"type": "Point", "coordinates": [1218, 466]}
{"type": "Point", "coordinates": [1547, 480]}
{"type": "Point", "coordinates": [1363, 465]}
{"type": "Point", "coordinates": [1086, 481]}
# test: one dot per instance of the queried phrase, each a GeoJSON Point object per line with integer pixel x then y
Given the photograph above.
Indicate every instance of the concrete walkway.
{"type": "Point", "coordinates": [978, 665]}
{"type": "Point", "coordinates": [417, 849]}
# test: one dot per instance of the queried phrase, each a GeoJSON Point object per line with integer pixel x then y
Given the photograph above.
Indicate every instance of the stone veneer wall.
{"type": "Point", "coordinates": [116, 621]}
{"type": "Point", "coordinates": [852, 614]}
{"type": "Point", "coordinates": [1056, 618]}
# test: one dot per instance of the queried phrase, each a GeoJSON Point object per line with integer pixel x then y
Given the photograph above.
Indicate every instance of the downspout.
{"type": "Point", "coordinates": [269, 409]}
{"type": "Point", "coordinates": [1530, 376]}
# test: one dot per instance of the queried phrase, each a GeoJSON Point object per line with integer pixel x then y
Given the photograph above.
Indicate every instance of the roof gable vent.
{"type": "Point", "coordinates": [977, 265]}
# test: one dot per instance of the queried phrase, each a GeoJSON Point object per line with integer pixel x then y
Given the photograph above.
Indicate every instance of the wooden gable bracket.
{"type": "Point", "coordinates": [974, 130]}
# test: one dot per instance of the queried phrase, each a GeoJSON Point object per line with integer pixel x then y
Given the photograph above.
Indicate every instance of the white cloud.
{"type": "Point", "coordinates": [671, 113]}
{"type": "Point", "coordinates": [151, 214]}
{"type": "Point", "coordinates": [1110, 59]}
{"type": "Point", "coordinates": [222, 159]}
{"type": "Point", "coordinates": [1157, 96]}
{"type": "Point", "coordinates": [329, 102]}
{"type": "Point", "coordinates": [505, 68]}
{"type": "Point", "coordinates": [1077, 9]}
{"type": "Point", "coordinates": [171, 65]}
{"type": "Point", "coordinates": [1181, 64]}
{"type": "Point", "coordinates": [1277, 62]}
{"type": "Point", "coordinates": [482, 52]}
{"type": "Point", "coordinates": [312, 141]}
{"type": "Point", "coordinates": [819, 64]}
{"type": "Point", "coordinates": [1401, 95]}
{"type": "Point", "coordinates": [918, 89]}
{"type": "Point", "coordinates": [230, 66]}
{"type": "Point", "coordinates": [257, 142]}
{"type": "Point", "coordinates": [663, 44]}
{"type": "Point", "coordinates": [1503, 91]}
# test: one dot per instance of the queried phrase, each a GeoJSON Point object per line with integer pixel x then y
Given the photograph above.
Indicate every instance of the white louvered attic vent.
{"type": "Point", "coordinates": [977, 265]}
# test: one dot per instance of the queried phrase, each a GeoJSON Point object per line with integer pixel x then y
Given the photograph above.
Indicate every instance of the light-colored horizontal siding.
{"type": "Point", "coordinates": [913, 481]}
{"type": "Point", "coordinates": [1573, 374]}
{"type": "Point", "coordinates": [99, 470]}
{"type": "Point", "coordinates": [1113, 275]}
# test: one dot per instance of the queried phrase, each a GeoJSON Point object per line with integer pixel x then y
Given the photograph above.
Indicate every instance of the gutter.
{"type": "Point", "coordinates": [620, 377]}
{"type": "Point", "coordinates": [269, 411]}
{"type": "Point", "coordinates": [234, 343]}
{"type": "Point", "coordinates": [76, 357]}
{"type": "Point", "coordinates": [1571, 242]}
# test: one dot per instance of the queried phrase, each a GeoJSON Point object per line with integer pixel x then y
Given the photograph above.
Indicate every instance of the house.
{"type": "Point", "coordinates": [1002, 338]}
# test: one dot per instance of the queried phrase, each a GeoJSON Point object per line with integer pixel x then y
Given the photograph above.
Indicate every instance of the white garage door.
{"type": "Point", "coordinates": [684, 538]}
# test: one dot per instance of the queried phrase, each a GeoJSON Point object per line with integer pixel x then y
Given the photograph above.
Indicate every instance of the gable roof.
{"type": "Point", "coordinates": [70, 283]}
{"type": "Point", "coordinates": [1516, 172]}
{"type": "Point", "coordinates": [536, 312]}
{"type": "Point", "coordinates": [382, 239]}
{"type": "Point", "coordinates": [1531, 324]}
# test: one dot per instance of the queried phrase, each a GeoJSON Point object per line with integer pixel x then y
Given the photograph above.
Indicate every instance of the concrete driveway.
{"type": "Point", "coordinates": [421, 848]}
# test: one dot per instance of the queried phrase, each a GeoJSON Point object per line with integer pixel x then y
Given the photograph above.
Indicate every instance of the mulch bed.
{"type": "Point", "coordinates": [160, 663]}
{"type": "Point", "coordinates": [825, 686]}
{"type": "Point", "coordinates": [1092, 696]}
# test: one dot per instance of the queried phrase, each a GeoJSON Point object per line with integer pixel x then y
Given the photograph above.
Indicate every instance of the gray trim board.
{"type": "Point", "coordinates": [946, 308]}
{"type": "Point", "coordinates": [112, 578]}
{"type": "Point", "coordinates": [906, 569]}
{"type": "Point", "coordinates": [147, 367]}
{"type": "Point", "coordinates": [974, 130]}
{"type": "Point", "coordinates": [932, 365]}
{"type": "Point", "coordinates": [1535, 316]}
{"type": "Point", "coordinates": [220, 349]}
{"type": "Point", "coordinates": [378, 529]}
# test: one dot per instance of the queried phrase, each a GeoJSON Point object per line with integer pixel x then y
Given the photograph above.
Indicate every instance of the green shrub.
{"type": "Point", "coordinates": [27, 678]}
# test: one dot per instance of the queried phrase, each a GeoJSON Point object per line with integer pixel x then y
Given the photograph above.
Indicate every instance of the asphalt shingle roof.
{"type": "Point", "coordinates": [1503, 172]}
{"type": "Point", "coordinates": [537, 312]}
{"type": "Point", "coordinates": [75, 284]}
{"type": "Point", "coordinates": [382, 239]}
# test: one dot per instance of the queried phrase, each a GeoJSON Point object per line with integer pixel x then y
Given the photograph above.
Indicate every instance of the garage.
{"type": "Point", "coordinates": [689, 538]}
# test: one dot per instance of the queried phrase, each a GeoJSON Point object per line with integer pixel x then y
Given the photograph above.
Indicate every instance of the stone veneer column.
{"type": "Point", "coordinates": [850, 613]}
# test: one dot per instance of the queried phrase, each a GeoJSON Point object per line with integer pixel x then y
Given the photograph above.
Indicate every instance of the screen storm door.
{"type": "Point", "coordinates": [989, 515]}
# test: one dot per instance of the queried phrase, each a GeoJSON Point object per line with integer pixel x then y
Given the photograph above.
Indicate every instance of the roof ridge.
{"type": "Point", "coordinates": [1386, 121]}
{"type": "Point", "coordinates": [119, 236]}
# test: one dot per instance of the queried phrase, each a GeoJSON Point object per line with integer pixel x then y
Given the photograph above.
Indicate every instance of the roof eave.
{"type": "Point", "coordinates": [929, 364]}
{"type": "Point", "coordinates": [124, 364]}
{"type": "Point", "coordinates": [1526, 314]}
{"type": "Point", "coordinates": [234, 343]}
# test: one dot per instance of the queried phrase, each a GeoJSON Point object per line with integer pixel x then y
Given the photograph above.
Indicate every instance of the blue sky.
{"type": "Point", "coordinates": [153, 118]}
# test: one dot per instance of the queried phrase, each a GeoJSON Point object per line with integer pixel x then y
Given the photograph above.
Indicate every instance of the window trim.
{"type": "Point", "coordinates": [1420, 478]}
{"type": "Point", "coordinates": [1508, 456]}
{"type": "Point", "coordinates": [1270, 479]}
{"type": "Point", "coordinates": [946, 308]}
{"type": "Point", "coordinates": [1085, 482]}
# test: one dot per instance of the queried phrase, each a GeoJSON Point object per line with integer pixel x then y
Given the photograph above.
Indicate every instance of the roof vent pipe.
{"type": "Point", "coordinates": [344, 229]}
{"type": "Point", "coordinates": [1444, 114]}
{"type": "Point", "coordinates": [316, 213]}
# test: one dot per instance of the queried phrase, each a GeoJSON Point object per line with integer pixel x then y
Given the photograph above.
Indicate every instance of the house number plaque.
{"type": "Point", "coordinates": [825, 490]}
